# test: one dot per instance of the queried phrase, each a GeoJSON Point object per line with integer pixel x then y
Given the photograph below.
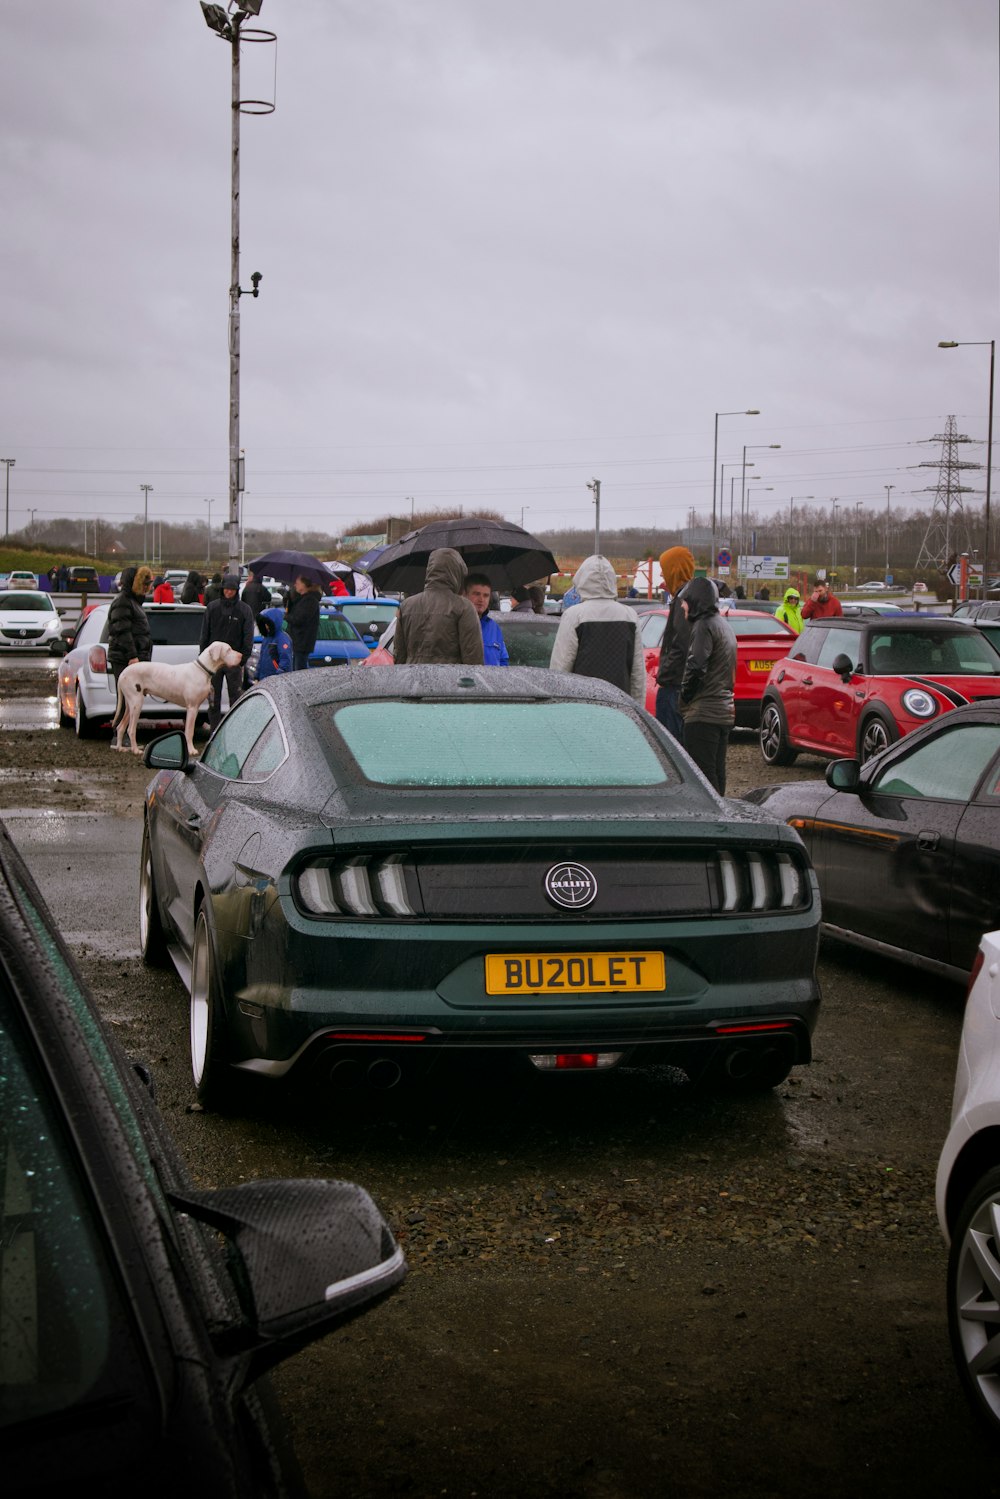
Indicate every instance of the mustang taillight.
{"type": "Point", "coordinates": [356, 887]}
{"type": "Point", "coordinates": [98, 658]}
{"type": "Point", "coordinates": [758, 881]}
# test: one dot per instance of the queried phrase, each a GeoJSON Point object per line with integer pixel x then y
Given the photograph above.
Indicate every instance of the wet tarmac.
{"type": "Point", "coordinates": [30, 713]}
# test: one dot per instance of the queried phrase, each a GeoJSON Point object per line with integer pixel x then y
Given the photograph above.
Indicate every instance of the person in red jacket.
{"type": "Point", "coordinates": [821, 603]}
{"type": "Point", "coordinates": [163, 593]}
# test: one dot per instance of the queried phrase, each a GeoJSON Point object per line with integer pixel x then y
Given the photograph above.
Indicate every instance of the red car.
{"type": "Point", "coordinates": [850, 687]}
{"type": "Point", "coordinates": [761, 641]}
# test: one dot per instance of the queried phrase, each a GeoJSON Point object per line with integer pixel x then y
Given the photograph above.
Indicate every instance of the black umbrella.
{"type": "Point", "coordinates": [285, 567]}
{"type": "Point", "coordinates": [505, 553]}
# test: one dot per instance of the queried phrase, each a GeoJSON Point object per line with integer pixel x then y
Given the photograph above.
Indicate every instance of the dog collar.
{"type": "Point", "coordinates": [199, 662]}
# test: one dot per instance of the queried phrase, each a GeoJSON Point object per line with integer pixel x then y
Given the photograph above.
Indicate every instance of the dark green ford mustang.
{"type": "Point", "coordinates": [366, 869]}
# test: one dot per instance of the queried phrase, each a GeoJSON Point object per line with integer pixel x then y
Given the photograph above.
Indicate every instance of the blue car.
{"type": "Point", "coordinates": [370, 617]}
{"type": "Point", "coordinates": [337, 641]}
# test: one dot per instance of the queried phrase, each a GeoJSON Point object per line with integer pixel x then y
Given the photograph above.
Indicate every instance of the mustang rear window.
{"type": "Point", "coordinates": [500, 744]}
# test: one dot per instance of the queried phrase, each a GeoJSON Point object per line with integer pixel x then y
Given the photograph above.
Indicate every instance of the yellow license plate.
{"type": "Point", "coordinates": [761, 665]}
{"type": "Point", "coordinates": [575, 973]}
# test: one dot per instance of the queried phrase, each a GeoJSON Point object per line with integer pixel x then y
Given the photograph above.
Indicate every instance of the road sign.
{"type": "Point", "coordinates": [975, 574]}
{"type": "Point", "coordinates": [725, 557]}
{"type": "Point", "coordinates": [753, 568]}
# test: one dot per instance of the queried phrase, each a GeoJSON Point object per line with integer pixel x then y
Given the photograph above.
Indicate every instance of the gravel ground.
{"type": "Point", "coordinates": [628, 1286]}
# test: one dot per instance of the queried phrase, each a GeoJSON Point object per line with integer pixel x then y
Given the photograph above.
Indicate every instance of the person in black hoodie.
{"type": "Point", "coordinates": [707, 703]}
{"type": "Point", "coordinates": [129, 639]}
{"type": "Point", "coordinates": [256, 594]}
{"type": "Point", "coordinates": [227, 618]}
{"type": "Point", "coordinates": [194, 583]}
{"type": "Point", "coordinates": [302, 620]}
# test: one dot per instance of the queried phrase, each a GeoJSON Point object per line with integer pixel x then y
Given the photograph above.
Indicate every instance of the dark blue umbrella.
{"type": "Point", "coordinates": [504, 552]}
{"type": "Point", "coordinates": [287, 566]}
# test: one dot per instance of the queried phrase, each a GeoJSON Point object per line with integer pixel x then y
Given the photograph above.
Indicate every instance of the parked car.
{"type": "Point", "coordinates": [370, 617]}
{"type": "Point", "coordinates": [850, 687]}
{"type": "Point", "coordinates": [875, 586]}
{"type": "Point", "coordinates": [369, 871]}
{"type": "Point", "coordinates": [761, 641]}
{"type": "Point", "coordinates": [139, 1314]}
{"type": "Point", "coordinates": [337, 644]}
{"type": "Point", "coordinates": [20, 578]}
{"type": "Point", "coordinates": [529, 639]}
{"type": "Point", "coordinates": [869, 610]}
{"type": "Point", "coordinates": [990, 630]}
{"type": "Point", "coordinates": [968, 1192]}
{"type": "Point", "coordinates": [83, 579]}
{"type": "Point", "coordinates": [87, 691]}
{"type": "Point", "coordinates": [977, 609]}
{"type": "Point", "coordinates": [29, 622]}
{"type": "Point", "coordinates": [906, 848]}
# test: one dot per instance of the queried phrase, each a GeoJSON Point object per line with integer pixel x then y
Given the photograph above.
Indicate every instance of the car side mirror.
{"type": "Point", "coordinates": [843, 775]}
{"type": "Point", "coordinates": [168, 752]}
{"type": "Point", "coordinates": [310, 1255]}
{"type": "Point", "coordinates": [843, 666]}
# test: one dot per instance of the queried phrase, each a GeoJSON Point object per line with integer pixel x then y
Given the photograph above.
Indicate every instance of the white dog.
{"type": "Point", "coordinates": [188, 686]}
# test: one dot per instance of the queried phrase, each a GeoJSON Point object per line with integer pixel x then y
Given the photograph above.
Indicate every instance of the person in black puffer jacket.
{"type": "Point", "coordinates": [229, 619]}
{"type": "Point", "coordinates": [302, 620]}
{"type": "Point", "coordinates": [129, 639]}
{"type": "Point", "coordinates": [707, 704]}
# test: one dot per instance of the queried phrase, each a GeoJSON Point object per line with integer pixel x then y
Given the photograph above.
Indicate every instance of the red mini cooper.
{"type": "Point", "coordinates": [850, 687]}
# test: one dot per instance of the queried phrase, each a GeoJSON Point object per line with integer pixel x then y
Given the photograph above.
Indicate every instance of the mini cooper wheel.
{"type": "Point", "coordinates": [85, 727]}
{"type": "Point", "coordinates": [152, 938]}
{"type": "Point", "coordinates": [974, 1297]}
{"type": "Point", "coordinates": [774, 745]}
{"type": "Point", "coordinates": [213, 1079]}
{"type": "Point", "coordinates": [875, 735]}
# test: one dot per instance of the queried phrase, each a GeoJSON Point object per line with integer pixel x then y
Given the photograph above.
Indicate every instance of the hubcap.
{"type": "Point", "coordinates": [977, 1303]}
{"type": "Point", "coordinates": [770, 733]}
{"type": "Point", "coordinates": [145, 893]}
{"type": "Point", "coordinates": [875, 740]}
{"type": "Point", "coordinates": [200, 964]}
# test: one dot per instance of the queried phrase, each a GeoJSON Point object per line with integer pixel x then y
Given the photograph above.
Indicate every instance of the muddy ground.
{"type": "Point", "coordinates": [626, 1289]}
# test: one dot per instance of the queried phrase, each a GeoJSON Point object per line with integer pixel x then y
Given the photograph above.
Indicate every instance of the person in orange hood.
{"type": "Point", "coordinates": [677, 567]}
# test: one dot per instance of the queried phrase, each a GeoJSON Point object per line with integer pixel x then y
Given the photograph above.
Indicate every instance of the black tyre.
{"type": "Point", "coordinates": [973, 1281]}
{"type": "Point", "coordinates": [86, 728]}
{"type": "Point", "coordinates": [875, 735]}
{"type": "Point", "coordinates": [213, 1078]}
{"type": "Point", "coordinates": [774, 745]}
{"type": "Point", "coordinates": [152, 937]}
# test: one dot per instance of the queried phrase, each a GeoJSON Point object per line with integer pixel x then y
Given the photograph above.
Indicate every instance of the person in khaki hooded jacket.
{"type": "Point", "coordinates": [440, 626]}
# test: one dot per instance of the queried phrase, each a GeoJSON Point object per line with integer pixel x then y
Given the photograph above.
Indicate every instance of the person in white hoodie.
{"type": "Point", "coordinates": [599, 637]}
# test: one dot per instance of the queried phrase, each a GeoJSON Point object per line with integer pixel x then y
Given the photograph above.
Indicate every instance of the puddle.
{"type": "Point", "coordinates": [31, 713]}
{"type": "Point", "coordinates": [74, 777]}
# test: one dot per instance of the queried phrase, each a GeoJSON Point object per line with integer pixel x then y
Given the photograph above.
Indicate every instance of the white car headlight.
{"type": "Point", "coordinates": [921, 704]}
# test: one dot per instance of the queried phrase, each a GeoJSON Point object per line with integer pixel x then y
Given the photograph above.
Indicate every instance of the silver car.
{"type": "Point", "coordinates": [87, 692]}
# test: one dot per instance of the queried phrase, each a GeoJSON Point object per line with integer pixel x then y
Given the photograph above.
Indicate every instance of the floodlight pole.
{"type": "Point", "coordinates": [234, 313]}
{"type": "Point", "coordinates": [145, 520]}
{"type": "Point", "coordinates": [6, 520]}
{"type": "Point", "coordinates": [595, 486]}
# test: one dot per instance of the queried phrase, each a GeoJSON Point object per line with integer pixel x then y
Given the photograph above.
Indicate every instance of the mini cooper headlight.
{"type": "Point", "coordinates": [921, 704]}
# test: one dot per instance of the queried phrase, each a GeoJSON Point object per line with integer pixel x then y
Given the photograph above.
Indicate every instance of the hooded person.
{"type": "Point", "coordinates": [599, 636]}
{"type": "Point", "coordinates": [227, 618]}
{"type": "Point", "coordinates": [440, 626]}
{"type": "Point", "coordinates": [193, 589]}
{"type": "Point", "coordinates": [276, 646]}
{"type": "Point", "coordinates": [302, 619]}
{"type": "Point", "coordinates": [256, 594]}
{"type": "Point", "coordinates": [163, 592]}
{"type": "Point", "coordinates": [789, 611]}
{"type": "Point", "coordinates": [677, 567]}
{"type": "Point", "coordinates": [707, 703]}
{"type": "Point", "coordinates": [129, 639]}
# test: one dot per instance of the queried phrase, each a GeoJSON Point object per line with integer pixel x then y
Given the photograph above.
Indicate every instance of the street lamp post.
{"type": "Point", "coordinates": [748, 447]}
{"type": "Point", "coordinates": [759, 489]}
{"type": "Point", "coordinates": [888, 494]}
{"type": "Point", "coordinates": [6, 521]}
{"type": "Point", "coordinates": [981, 344]}
{"type": "Point", "coordinates": [31, 531]}
{"type": "Point", "coordinates": [595, 485]}
{"type": "Point", "coordinates": [857, 526]}
{"type": "Point", "coordinates": [145, 518]}
{"type": "Point", "coordinates": [833, 564]}
{"type": "Point", "coordinates": [231, 29]}
{"type": "Point", "coordinates": [715, 471]}
{"type": "Point", "coordinates": [722, 496]}
{"type": "Point", "coordinates": [523, 509]}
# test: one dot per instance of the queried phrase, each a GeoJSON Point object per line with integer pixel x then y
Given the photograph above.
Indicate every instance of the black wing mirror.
{"type": "Point", "coordinates": [843, 775]}
{"type": "Point", "coordinates": [309, 1255]}
{"type": "Point", "coordinates": [168, 752]}
{"type": "Point", "coordinates": [843, 666]}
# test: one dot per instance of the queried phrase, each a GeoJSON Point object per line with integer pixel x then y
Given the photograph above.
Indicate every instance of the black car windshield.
{"type": "Point", "coordinates": [34, 602]}
{"type": "Point", "coordinates": [529, 642]}
{"type": "Point", "coordinates": [934, 653]}
{"type": "Point", "coordinates": [495, 744]}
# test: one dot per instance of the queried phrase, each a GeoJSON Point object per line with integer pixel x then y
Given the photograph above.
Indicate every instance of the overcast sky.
{"type": "Point", "coordinates": [505, 249]}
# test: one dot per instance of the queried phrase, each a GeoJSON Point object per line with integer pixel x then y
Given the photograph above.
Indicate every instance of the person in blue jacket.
{"type": "Point", "coordinates": [479, 591]}
{"type": "Point", "coordinates": [276, 646]}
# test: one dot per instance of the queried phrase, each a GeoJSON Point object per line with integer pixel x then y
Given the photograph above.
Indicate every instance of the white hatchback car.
{"type": "Point", "coordinates": [29, 622]}
{"type": "Point", "coordinates": [87, 691]}
{"type": "Point", "coordinates": [968, 1191]}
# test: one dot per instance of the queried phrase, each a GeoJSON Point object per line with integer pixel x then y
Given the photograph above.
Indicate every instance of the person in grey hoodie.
{"type": "Point", "coordinates": [599, 637]}
{"type": "Point", "coordinates": [440, 626]}
{"type": "Point", "coordinates": [707, 703]}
